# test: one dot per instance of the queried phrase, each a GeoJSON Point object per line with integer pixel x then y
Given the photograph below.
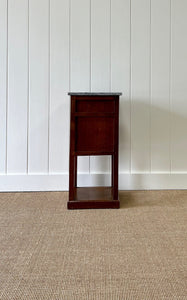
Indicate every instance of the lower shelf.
{"type": "Point", "coordinates": [93, 197]}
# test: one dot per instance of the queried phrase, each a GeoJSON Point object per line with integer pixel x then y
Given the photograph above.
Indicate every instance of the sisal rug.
{"type": "Point", "coordinates": [138, 252]}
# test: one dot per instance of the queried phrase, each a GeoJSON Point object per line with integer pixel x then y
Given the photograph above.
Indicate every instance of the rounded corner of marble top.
{"type": "Point", "coordinates": [93, 94]}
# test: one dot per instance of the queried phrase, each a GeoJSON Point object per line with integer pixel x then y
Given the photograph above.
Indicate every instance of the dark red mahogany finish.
{"type": "Point", "coordinates": [94, 130]}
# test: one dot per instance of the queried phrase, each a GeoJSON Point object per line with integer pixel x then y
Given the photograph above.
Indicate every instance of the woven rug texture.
{"type": "Point", "coordinates": [137, 252]}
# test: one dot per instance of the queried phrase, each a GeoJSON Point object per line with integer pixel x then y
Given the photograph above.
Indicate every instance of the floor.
{"type": "Point", "coordinates": [136, 252]}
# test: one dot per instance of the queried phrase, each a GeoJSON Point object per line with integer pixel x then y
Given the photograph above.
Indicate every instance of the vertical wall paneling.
{"type": "Point", "coordinates": [120, 74]}
{"type": "Point", "coordinates": [100, 62]}
{"type": "Point", "coordinates": [50, 47]}
{"type": "Point", "coordinates": [179, 86]}
{"type": "Point", "coordinates": [3, 82]}
{"type": "Point", "coordinates": [59, 86]}
{"type": "Point", "coordinates": [160, 85]}
{"type": "Point", "coordinates": [140, 85]}
{"type": "Point", "coordinates": [80, 56]}
{"type": "Point", "coordinates": [38, 85]}
{"type": "Point", "coordinates": [17, 86]}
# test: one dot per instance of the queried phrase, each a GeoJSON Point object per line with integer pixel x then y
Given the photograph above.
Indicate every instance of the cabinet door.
{"type": "Point", "coordinates": [94, 134]}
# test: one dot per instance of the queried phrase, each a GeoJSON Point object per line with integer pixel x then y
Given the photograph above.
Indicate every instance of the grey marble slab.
{"type": "Point", "coordinates": [93, 94]}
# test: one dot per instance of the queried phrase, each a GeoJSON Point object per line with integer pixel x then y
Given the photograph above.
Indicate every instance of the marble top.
{"type": "Point", "coordinates": [93, 94]}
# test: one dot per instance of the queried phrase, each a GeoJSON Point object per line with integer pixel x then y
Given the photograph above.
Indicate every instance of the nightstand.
{"type": "Point", "coordinates": [94, 130]}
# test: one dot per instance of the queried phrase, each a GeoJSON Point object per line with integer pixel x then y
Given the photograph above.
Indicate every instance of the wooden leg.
{"type": "Point", "coordinates": [71, 178]}
{"type": "Point", "coordinates": [75, 171]}
{"type": "Point", "coordinates": [115, 177]}
{"type": "Point", "coordinates": [112, 171]}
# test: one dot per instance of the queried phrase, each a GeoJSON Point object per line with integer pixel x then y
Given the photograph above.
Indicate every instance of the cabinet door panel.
{"type": "Point", "coordinates": [95, 134]}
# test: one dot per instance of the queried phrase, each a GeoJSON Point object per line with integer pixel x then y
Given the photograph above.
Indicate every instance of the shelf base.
{"type": "Point", "coordinates": [93, 197]}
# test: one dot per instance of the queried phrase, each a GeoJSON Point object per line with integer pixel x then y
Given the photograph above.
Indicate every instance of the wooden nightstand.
{"type": "Point", "coordinates": [94, 130]}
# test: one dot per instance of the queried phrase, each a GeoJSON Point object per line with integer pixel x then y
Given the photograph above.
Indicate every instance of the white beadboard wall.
{"type": "Point", "coordinates": [50, 47]}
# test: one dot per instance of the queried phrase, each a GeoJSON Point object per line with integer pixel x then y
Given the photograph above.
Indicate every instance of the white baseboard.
{"type": "Point", "coordinates": [34, 182]}
{"type": "Point", "coordinates": [59, 182]}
